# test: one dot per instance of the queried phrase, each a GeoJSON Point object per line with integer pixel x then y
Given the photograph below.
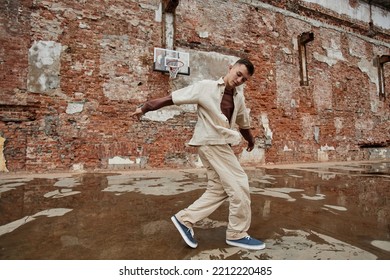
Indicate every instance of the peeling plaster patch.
{"type": "Point", "coordinates": [203, 34]}
{"type": "Point", "coordinates": [162, 115]}
{"type": "Point", "coordinates": [88, 66]}
{"type": "Point", "coordinates": [316, 133]}
{"type": "Point", "coordinates": [322, 92]}
{"type": "Point", "coordinates": [368, 67]}
{"type": "Point", "coordinates": [325, 59]}
{"type": "Point", "coordinates": [120, 160]}
{"type": "Point", "coordinates": [78, 166]}
{"type": "Point", "coordinates": [364, 125]}
{"type": "Point", "coordinates": [287, 51]}
{"type": "Point", "coordinates": [307, 126]}
{"type": "Point", "coordinates": [54, 212]}
{"type": "Point", "coordinates": [204, 65]}
{"type": "Point", "coordinates": [150, 5]}
{"type": "Point", "coordinates": [84, 26]}
{"type": "Point", "coordinates": [355, 47]}
{"type": "Point", "coordinates": [257, 155]}
{"type": "Point", "coordinates": [333, 51]}
{"type": "Point", "coordinates": [374, 104]}
{"type": "Point", "coordinates": [3, 166]}
{"type": "Point", "coordinates": [158, 13]}
{"type": "Point", "coordinates": [338, 124]}
{"type": "Point", "coordinates": [286, 149]}
{"type": "Point", "coordinates": [322, 156]}
{"type": "Point", "coordinates": [267, 130]}
{"type": "Point", "coordinates": [44, 66]}
{"type": "Point", "coordinates": [285, 90]}
{"type": "Point", "coordinates": [326, 176]}
{"type": "Point", "coordinates": [333, 54]}
{"type": "Point", "coordinates": [327, 148]}
{"type": "Point", "coordinates": [74, 107]}
{"type": "Point", "coordinates": [189, 108]}
{"type": "Point", "coordinates": [169, 30]}
{"type": "Point", "coordinates": [121, 63]}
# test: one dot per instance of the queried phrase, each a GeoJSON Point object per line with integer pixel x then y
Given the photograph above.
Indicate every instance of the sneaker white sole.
{"type": "Point", "coordinates": [183, 235]}
{"type": "Point", "coordinates": [245, 246]}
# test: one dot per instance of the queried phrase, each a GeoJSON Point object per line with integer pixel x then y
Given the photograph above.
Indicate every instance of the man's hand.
{"type": "Point", "coordinates": [250, 147]}
{"type": "Point", "coordinates": [137, 113]}
{"type": "Point", "coordinates": [246, 133]}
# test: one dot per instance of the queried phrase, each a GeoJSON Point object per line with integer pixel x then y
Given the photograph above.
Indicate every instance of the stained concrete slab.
{"type": "Point", "coordinates": [302, 212]}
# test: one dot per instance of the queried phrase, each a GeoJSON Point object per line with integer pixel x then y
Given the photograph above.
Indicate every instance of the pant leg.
{"type": "Point", "coordinates": [234, 182]}
{"type": "Point", "coordinates": [211, 199]}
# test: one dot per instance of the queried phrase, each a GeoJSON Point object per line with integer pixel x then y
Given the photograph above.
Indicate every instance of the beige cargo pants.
{"type": "Point", "coordinates": [226, 181]}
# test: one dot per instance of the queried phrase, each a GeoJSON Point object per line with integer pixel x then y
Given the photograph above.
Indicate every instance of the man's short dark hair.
{"type": "Point", "coordinates": [248, 64]}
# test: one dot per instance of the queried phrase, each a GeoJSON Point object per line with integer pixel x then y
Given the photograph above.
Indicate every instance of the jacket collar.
{"type": "Point", "coordinates": [221, 82]}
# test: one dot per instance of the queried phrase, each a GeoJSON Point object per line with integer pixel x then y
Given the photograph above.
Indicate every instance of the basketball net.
{"type": "Point", "coordinates": [174, 67]}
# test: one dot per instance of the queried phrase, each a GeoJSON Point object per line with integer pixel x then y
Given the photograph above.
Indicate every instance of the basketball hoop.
{"type": "Point", "coordinates": [174, 67]}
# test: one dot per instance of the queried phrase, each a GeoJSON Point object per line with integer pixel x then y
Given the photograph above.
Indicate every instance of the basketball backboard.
{"type": "Point", "coordinates": [164, 56]}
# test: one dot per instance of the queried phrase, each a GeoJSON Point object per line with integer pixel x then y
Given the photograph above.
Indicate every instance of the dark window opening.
{"type": "Point", "coordinates": [303, 39]}
{"type": "Point", "coordinates": [379, 62]}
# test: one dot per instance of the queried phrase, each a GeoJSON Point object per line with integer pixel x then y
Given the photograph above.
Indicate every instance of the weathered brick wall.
{"type": "Point", "coordinates": [73, 71]}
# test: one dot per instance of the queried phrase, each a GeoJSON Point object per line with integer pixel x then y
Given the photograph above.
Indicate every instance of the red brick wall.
{"type": "Point", "coordinates": [106, 64]}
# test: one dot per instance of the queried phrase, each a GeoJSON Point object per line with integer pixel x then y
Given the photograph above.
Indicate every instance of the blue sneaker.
{"type": "Point", "coordinates": [185, 232]}
{"type": "Point", "coordinates": [247, 243]}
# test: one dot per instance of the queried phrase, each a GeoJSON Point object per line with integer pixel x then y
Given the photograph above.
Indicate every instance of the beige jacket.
{"type": "Point", "coordinates": [213, 127]}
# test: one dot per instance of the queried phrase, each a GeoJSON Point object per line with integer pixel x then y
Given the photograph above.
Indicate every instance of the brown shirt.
{"type": "Point", "coordinates": [227, 104]}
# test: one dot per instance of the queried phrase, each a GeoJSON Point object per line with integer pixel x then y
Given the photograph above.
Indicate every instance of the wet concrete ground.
{"type": "Point", "coordinates": [305, 211]}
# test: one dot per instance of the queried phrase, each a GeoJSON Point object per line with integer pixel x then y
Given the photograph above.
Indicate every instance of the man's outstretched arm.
{"type": "Point", "coordinates": [153, 105]}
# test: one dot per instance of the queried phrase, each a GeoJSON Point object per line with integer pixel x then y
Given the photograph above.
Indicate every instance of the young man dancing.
{"type": "Point", "coordinates": [221, 106]}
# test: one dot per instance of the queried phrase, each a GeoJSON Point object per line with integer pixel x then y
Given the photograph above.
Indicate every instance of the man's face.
{"type": "Point", "coordinates": [237, 75]}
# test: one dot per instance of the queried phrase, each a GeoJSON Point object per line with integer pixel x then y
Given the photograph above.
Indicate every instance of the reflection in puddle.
{"type": "Point", "coordinates": [124, 183]}
{"type": "Point", "coordinates": [278, 192]}
{"type": "Point", "coordinates": [49, 213]}
{"type": "Point", "coordinates": [381, 244]}
{"type": "Point", "coordinates": [335, 207]}
{"type": "Point", "coordinates": [294, 245]}
{"type": "Point", "coordinates": [61, 193]}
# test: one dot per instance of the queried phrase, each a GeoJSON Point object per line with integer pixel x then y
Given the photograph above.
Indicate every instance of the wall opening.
{"type": "Point", "coordinates": [303, 39]}
{"type": "Point", "coordinates": [379, 62]}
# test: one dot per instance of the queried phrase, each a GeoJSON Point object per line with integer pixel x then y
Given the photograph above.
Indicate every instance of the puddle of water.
{"type": "Point", "coordinates": [306, 212]}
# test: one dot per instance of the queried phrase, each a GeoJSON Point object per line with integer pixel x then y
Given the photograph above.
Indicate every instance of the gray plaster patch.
{"type": "Point", "coordinates": [44, 66]}
{"type": "Point", "coordinates": [74, 107]}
